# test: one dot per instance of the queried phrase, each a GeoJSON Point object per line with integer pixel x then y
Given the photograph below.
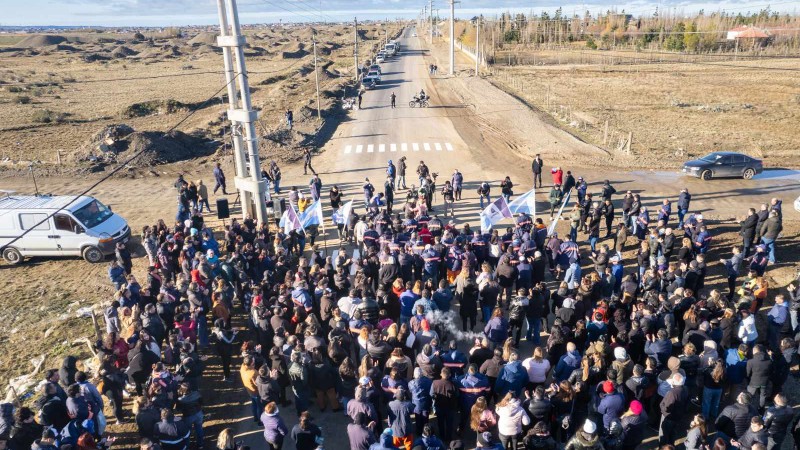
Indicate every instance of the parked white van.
{"type": "Point", "coordinates": [81, 226]}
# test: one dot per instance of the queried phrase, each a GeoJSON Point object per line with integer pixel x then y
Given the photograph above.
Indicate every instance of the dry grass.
{"type": "Point", "coordinates": [673, 109]}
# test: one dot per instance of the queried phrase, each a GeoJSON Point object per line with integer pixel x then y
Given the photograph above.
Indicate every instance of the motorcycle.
{"type": "Point", "coordinates": [422, 102]}
{"type": "Point", "coordinates": [349, 104]}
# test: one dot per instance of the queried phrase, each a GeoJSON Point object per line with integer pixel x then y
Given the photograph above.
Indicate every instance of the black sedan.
{"type": "Point", "coordinates": [723, 164]}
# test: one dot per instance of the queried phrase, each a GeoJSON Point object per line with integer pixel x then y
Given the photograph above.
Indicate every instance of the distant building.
{"type": "Point", "coordinates": [745, 32]}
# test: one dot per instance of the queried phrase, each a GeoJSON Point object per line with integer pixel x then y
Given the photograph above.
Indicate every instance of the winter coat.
{"type": "Point", "coordinates": [512, 378]}
{"type": "Point", "coordinates": [759, 369]}
{"type": "Point", "coordinates": [611, 407]}
{"type": "Point", "coordinates": [734, 420]}
{"type": "Point", "coordinates": [511, 418]}
{"type": "Point", "coordinates": [583, 441]}
{"type": "Point", "coordinates": [694, 439]}
{"type": "Point", "coordinates": [274, 428]}
{"type": "Point", "coordinates": [496, 329]}
{"type": "Point", "coordinates": [400, 417]}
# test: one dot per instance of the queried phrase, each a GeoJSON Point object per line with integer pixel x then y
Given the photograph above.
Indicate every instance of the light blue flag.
{"type": "Point", "coordinates": [312, 215]}
{"type": "Point", "coordinates": [525, 203]}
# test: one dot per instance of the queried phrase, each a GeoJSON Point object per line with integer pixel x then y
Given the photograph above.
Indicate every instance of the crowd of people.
{"type": "Point", "coordinates": [623, 338]}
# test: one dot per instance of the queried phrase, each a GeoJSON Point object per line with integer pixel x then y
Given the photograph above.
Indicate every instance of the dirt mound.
{"type": "Point", "coordinates": [94, 57]}
{"type": "Point", "coordinates": [66, 48]}
{"type": "Point", "coordinates": [42, 40]}
{"type": "Point", "coordinates": [123, 52]}
{"type": "Point", "coordinates": [206, 49]}
{"type": "Point", "coordinates": [152, 108]}
{"type": "Point", "coordinates": [165, 51]}
{"type": "Point", "coordinates": [204, 39]}
{"type": "Point", "coordinates": [162, 148]}
{"type": "Point", "coordinates": [294, 51]}
{"type": "Point", "coordinates": [118, 142]}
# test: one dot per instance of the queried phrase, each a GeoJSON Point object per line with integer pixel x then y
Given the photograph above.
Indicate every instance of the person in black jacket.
{"type": "Point", "coordinates": [673, 407]}
{"type": "Point", "coordinates": [777, 421]}
{"type": "Point", "coordinates": [190, 404]}
{"type": "Point", "coordinates": [537, 167]}
{"type": "Point", "coordinates": [748, 231]}
{"type": "Point", "coordinates": [172, 434]}
{"type": "Point", "coordinates": [734, 420]}
{"type": "Point", "coordinates": [759, 371]}
{"type": "Point", "coordinates": [25, 430]}
{"type": "Point", "coordinates": [755, 434]}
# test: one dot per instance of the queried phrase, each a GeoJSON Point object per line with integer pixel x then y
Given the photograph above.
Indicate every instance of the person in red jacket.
{"type": "Point", "coordinates": [558, 175]}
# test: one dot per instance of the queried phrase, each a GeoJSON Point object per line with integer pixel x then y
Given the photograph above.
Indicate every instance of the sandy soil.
{"type": "Point", "coordinates": [186, 71]}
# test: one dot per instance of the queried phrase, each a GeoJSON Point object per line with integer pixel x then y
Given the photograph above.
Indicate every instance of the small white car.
{"type": "Point", "coordinates": [374, 75]}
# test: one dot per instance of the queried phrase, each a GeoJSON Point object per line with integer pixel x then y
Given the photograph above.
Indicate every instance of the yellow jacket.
{"type": "Point", "coordinates": [249, 379]}
{"type": "Point", "coordinates": [303, 203]}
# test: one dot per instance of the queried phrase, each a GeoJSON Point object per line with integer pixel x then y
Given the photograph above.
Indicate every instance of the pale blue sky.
{"type": "Point", "coordinates": [200, 12]}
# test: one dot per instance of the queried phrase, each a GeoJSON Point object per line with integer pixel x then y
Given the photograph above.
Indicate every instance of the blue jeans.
{"type": "Point", "coordinates": [711, 399]}
{"type": "Point", "coordinates": [681, 214]}
{"type": "Point", "coordinates": [593, 242]}
{"type": "Point", "coordinates": [202, 331]}
{"type": "Point", "coordinates": [534, 329]}
{"type": "Point", "coordinates": [770, 245]}
{"type": "Point", "coordinates": [488, 200]}
{"type": "Point", "coordinates": [196, 421]}
{"type": "Point", "coordinates": [255, 406]}
{"type": "Point", "coordinates": [277, 186]}
{"type": "Point", "coordinates": [401, 180]}
{"type": "Point", "coordinates": [487, 313]}
{"type": "Point", "coordinates": [573, 233]}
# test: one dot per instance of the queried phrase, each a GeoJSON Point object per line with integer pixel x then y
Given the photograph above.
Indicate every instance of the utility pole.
{"type": "Point", "coordinates": [477, 45]}
{"type": "Point", "coordinates": [252, 187]}
{"type": "Point", "coordinates": [452, 37]}
{"type": "Point", "coordinates": [431, 14]}
{"type": "Point", "coordinates": [316, 76]}
{"type": "Point", "coordinates": [355, 45]}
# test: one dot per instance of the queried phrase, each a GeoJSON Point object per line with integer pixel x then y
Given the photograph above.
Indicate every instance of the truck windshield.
{"type": "Point", "coordinates": [92, 214]}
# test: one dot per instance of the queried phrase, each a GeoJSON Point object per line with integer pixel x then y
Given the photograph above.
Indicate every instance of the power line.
{"type": "Point", "coordinates": [277, 5]}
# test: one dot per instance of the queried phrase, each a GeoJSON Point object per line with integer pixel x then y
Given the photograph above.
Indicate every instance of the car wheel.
{"type": "Point", "coordinates": [748, 174]}
{"type": "Point", "coordinates": [12, 256]}
{"type": "Point", "coordinates": [706, 175]}
{"type": "Point", "coordinates": [93, 255]}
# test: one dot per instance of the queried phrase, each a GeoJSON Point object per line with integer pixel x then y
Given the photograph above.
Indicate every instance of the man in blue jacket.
{"type": "Point", "coordinates": [512, 378]}
{"type": "Point", "coordinates": [420, 388]}
{"type": "Point", "coordinates": [471, 386]}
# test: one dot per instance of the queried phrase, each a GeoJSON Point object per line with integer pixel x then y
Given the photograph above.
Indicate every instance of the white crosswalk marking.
{"type": "Point", "coordinates": [398, 146]}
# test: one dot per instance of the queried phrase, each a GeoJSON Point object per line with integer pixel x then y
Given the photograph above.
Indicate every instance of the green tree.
{"type": "Point", "coordinates": [675, 39]}
{"type": "Point", "coordinates": [691, 39]}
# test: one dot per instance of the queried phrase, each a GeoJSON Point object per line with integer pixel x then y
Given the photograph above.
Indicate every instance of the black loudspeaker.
{"type": "Point", "coordinates": [222, 208]}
